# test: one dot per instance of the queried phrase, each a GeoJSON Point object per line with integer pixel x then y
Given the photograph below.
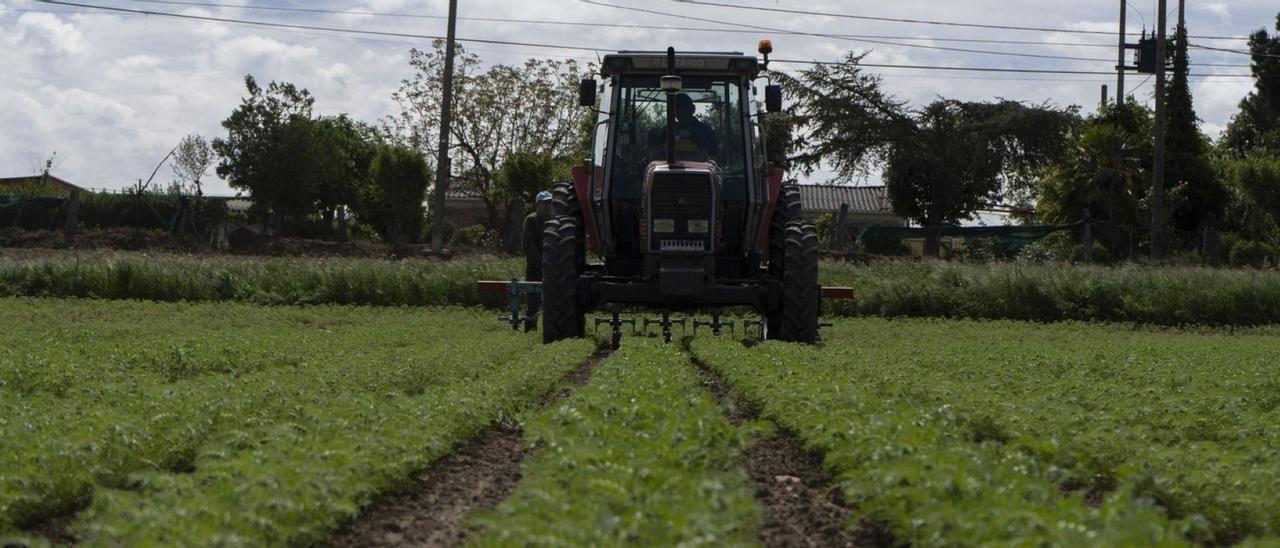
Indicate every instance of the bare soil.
{"type": "Point", "coordinates": [56, 530]}
{"type": "Point", "coordinates": [802, 507]}
{"type": "Point", "coordinates": [476, 477]}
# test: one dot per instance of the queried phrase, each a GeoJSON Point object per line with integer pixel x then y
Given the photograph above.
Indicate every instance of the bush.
{"type": "Point", "coordinates": [1250, 253]}
{"type": "Point", "coordinates": [468, 237]}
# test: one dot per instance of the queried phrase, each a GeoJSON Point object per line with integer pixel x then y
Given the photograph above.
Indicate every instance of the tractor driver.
{"type": "Point", "coordinates": [692, 135]}
{"type": "Point", "coordinates": [532, 241]}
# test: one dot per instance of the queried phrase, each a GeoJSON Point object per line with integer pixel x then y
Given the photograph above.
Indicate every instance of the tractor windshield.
{"type": "Point", "coordinates": [709, 128]}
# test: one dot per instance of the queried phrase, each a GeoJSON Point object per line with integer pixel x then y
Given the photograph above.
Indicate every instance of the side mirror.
{"type": "Point", "coordinates": [587, 93]}
{"type": "Point", "coordinates": [773, 98]}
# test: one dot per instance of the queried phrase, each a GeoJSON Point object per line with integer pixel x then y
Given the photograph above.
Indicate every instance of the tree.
{"type": "Point", "coordinates": [1257, 125]}
{"type": "Point", "coordinates": [1106, 170]}
{"type": "Point", "coordinates": [524, 174]}
{"type": "Point", "coordinates": [392, 200]}
{"type": "Point", "coordinates": [503, 110]}
{"type": "Point", "coordinates": [1196, 196]}
{"type": "Point", "coordinates": [270, 148]}
{"type": "Point", "coordinates": [954, 158]}
{"type": "Point", "coordinates": [191, 160]}
{"type": "Point", "coordinates": [843, 117]}
{"type": "Point", "coordinates": [345, 151]}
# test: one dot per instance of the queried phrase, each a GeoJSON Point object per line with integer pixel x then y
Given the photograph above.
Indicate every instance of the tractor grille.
{"type": "Point", "coordinates": [681, 209]}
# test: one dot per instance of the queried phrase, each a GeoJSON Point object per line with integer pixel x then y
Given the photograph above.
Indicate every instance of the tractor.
{"type": "Point", "coordinates": [679, 200]}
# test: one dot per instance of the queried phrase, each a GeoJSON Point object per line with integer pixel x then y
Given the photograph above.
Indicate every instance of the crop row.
{"type": "Point", "coordinates": [249, 425]}
{"type": "Point", "coordinates": [640, 456]}
{"type": "Point", "coordinates": [1141, 294]}
{"type": "Point", "coordinates": [958, 433]}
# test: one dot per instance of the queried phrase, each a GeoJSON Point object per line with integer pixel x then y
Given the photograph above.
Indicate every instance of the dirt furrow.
{"type": "Point", "coordinates": [802, 508]}
{"type": "Point", "coordinates": [476, 477]}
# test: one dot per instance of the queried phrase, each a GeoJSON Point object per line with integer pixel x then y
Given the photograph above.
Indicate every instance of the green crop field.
{"type": "Point", "coordinates": [128, 423]}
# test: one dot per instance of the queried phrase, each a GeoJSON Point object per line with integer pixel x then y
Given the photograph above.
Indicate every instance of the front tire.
{"type": "Point", "coordinates": [800, 290]}
{"type": "Point", "coordinates": [787, 210]}
{"type": "Point", "coordinates": [562, 317]}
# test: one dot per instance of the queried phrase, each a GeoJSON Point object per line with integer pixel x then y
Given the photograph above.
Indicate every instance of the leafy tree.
{"type": "Point", "coordinates": [1106, 170]}
{"type": "Point", "coordinates": [392, 201]}
{"type": "Point", "coordinates": [346, 149]}
{"type": "Point", "coordinates": [498, 112]}
{"type": "Point", "coordinates": [954, 158]}
{"type": "Point", "coordinates": [1255, 182]}
{"type": "Point", "coordinates": [842, 116]}
{"type": "Point", "coordinates": [191, 160]}
{"type": "Point", "coordinates": [524, 174]}
{"type": "Point", "coordinates": [1196, 195]}
{"type": "Point", "coordinates": [270, 147]}
{"type": "Point", "coordinates": [1257, 125]}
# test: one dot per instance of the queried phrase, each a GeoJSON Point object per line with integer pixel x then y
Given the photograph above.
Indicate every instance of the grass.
{"type": "Point", "coordinates": [974, 432]}
{"type": "Point", "coordinates": [1171, 296]}
{"type": "Point", "coordinates": [1165, 295]}
{"type": "Point", "coordinates": [258, 280]}
{"type": "Point", "coordinates": [191, 424]}
{"type": "Point", "coordinates": [640, 457]}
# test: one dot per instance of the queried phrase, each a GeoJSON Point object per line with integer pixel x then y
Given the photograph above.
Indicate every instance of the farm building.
{"type": "Point", "coordinates": [464, 210]}
{"type": "Point", "coordinates": [868, 205]}
{"type": "Point", "coordinates": [26, 184]}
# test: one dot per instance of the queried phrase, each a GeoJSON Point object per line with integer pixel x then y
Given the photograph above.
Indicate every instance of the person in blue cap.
{"type": "Point", "coordinates": [532, 241]}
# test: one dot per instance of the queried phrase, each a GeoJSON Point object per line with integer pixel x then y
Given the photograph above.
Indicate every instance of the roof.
{"type": "Point", "coordinates": [861, 199]}
{"type": "Point", "coordinates": [655, 62]}
{"type": "Point", "coordinates": [56, 182]}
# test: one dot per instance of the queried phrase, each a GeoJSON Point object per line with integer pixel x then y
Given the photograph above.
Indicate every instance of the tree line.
{"type": "Point", "coordinates": [517, 130]}
{"type": "Point", "coordinates": [945, 162]}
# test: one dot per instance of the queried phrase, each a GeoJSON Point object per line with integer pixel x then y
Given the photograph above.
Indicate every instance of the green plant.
{"type": "Point", "coordinates": [1246, 253]}
{"type": "Point", "coordinates": [249, 425]}
{"type": "Point", "coordinates": [641, 456]}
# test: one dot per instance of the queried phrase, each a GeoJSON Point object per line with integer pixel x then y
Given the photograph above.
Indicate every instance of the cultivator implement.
{"type": "Point", "coordinates": [516, 289]}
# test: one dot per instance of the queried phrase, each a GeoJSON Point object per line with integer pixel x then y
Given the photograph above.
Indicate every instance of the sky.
{"type": "Point", "coordinates": [112, 93]}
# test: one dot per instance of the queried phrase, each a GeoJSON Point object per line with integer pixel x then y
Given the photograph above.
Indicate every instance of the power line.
{"type": "Point", "coordinates": [989, 69]}
{"type": "Point", "coordinates": [845, 37]}
{"type": "Point", "coordinates": [921, 21]}
{"type": "Point", "coordinates": [310, 27]}
{"type": "Point", "coordinates": [673, 28]}
{"type": "Point", "coordinates": [837, 37]}
{"type": "Point", "coordinates": [531, 44]}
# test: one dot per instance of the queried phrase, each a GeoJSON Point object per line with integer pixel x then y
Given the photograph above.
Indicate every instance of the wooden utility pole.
{"type": "Point", "coordinates": [1159, 217]}
{"type": "Point", "coordinates": [446, 118]}
{"type": "Point", "coordinates": [1120, 62]}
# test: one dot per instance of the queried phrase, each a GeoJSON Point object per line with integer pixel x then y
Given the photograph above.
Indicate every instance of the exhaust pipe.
{"type": "Point", "coordinates": [671, 83]}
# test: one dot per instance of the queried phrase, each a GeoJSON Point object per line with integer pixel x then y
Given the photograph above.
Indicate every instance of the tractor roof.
{"type": "Point", "coordinates": [655, 62]}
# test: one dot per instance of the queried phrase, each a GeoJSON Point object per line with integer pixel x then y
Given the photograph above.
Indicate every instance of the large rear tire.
{"type": "Point", "coordinates": [564, 202]}
{"type": "Point", "coordinates": [562, 317]}
{"type": "Point", "coordinates": [800, 290]}
{"type": "Point", "coordinates": [785, 212]}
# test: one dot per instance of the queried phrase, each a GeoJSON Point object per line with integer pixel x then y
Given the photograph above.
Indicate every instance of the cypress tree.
{"type": "Point", "coordinates": [1197, 197]}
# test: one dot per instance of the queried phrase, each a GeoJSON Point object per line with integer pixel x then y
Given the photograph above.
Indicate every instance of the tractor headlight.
{"type": "Point", "coordinates": [664, 225]}
{"type": "Point", "coordinates": [699, 226]}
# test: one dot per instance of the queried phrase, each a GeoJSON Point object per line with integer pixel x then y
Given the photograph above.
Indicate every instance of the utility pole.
{"type": "Point", "coordinates": [1103, 103]}
{"type": "Point", "coordinates": [1159, 217]}
{"type": "Point", "coordinates": [446, 118]}
{"type": "Point", "coordinates": [1120, 64]}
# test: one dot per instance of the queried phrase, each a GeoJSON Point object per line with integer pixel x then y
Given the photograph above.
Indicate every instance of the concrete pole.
{"type": "Point", "coordinates": [446, 118]}
{"type": "Point", "coordinates": [1158, 214]}
{"type": "Point", "coordinates": [1121, 62]}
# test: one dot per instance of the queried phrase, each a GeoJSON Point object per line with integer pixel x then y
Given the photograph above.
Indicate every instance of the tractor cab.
{"type": "Point", "coordinates": [678, 164]}
{"type": "Point", "coordinates": [678, 200]}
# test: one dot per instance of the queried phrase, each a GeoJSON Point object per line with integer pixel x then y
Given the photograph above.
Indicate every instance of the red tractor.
{"type": "Point", "coordinates": [679, 200]}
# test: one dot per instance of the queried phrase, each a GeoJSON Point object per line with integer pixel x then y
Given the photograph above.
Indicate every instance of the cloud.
{"type": "Point", "coordinates": [113, 93]}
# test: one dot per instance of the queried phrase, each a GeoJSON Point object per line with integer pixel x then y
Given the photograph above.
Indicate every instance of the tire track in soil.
{"type": "Point", "coordinates": [477, 476]}
{"type": "Point", "coordinates": [802, 507]}
{"type": "Point", "coordinates": [55, 530]}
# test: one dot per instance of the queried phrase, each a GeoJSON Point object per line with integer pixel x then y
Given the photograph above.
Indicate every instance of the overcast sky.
{"type": "Point", "coordinates": [112, 93]}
